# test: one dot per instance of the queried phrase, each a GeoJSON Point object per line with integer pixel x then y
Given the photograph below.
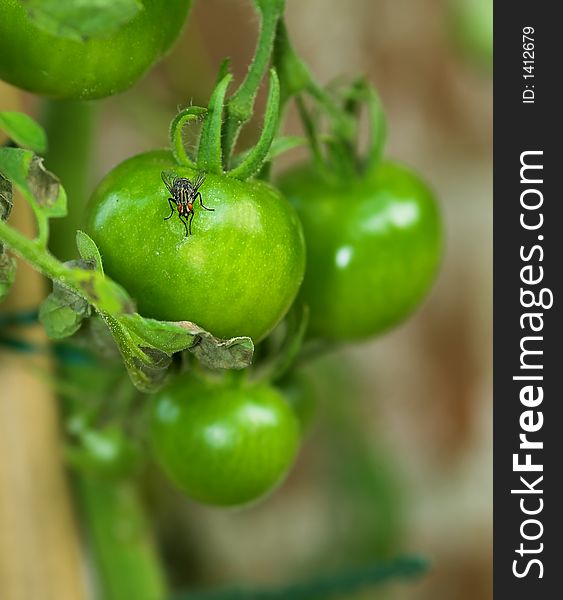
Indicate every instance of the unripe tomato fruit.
{"type": "Point", "coordinates": [223, 443]}
{"type": "Point", "coordinates": [46, 64]}
{"type": "Point", "coordinates": [104, 452]}
{"type": "Point", "coordinates": [373, 248]}
{"type": "Point", "coordinates": [237, 274]}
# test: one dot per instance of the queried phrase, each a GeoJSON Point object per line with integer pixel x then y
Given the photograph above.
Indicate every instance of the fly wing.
{"type": "Point", "coordinates": [168, 178]}
{"type": "Point", "coordinates": [199, 181]}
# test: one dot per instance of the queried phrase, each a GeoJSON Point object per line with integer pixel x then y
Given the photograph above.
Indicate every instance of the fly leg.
{"type": "Point", "coordinates": [185, 224]}
{"type": "Point", "coordinates": [172, 208]}
{"type": "Point", "coordinates": [201, 202]}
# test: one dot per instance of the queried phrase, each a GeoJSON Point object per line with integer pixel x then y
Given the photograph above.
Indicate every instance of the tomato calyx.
{"type": "Point", "coordinates": [335, 151]}
{"type": "Point", "coordinates": [224, 118]}
{"type": "Point", "coordinates": [209, 155]}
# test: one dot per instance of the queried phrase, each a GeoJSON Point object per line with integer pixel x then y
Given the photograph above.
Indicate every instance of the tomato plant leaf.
{"type": "Point", "coordinates": [39, 187]}
{"type": "Point", "coordinates": [145, 364]}
{"type": "Point", "coordinates": [97, 338]}
{"type": "Point", "coordinates": [7, 273]}
{"type": "Point", "coordinates": [7, 263]}
{"type": "Point", "coordinates": [63, 311]}
{"type": "Point", "coordinates": [343, 584]}
{"type": "Point", "coordinates": [81, 19]}
{"type": "Point", "coordinates": [215, 353]}
{"type": "Point", "coordinates": [165, 336]}
{"type": "Point", "coordinates": [88, 250]}
{"type": "Point", "coordinates": [147, 346]}
{"type": "Point", "coordinates": [24, 131]}
{"type": "Point", "coordinates": [5, 197]}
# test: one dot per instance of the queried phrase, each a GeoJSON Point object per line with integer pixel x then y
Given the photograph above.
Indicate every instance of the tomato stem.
{"type": "Point", "coordinates": [240, 106]}
{"type": "Point", "coordinates": [70, 128]}
{"type": "Point", "coordinates": [258, 155]}
{"type": "Point", "coordinates": [294, 74]}
{"type": "Point", "coordinates": [33, 251]}
{"type": "Point", "coordinates": [120, 539]}
{"type": "Point", "coordinates": [378, 128]}
{"type": "Point", "coordinates": [295, 77]}
{"type": "Point", "coordinates": [312, 135]}
{"type": "Point", "coordinates": [341, 156]}
{"type": "Point", "coordinates": [101, 292]}
{"type": "Point", "coordinates": [209, 156]}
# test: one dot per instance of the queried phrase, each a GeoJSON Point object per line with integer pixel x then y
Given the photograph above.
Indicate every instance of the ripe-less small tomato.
{"type": "Point", "coordinates": [45, 64]}
{"type": "Point", "coordinates": [237, 274]}
{"type": "Point", "coordinates": [105, 452]}
{"type": "Point", "coordinates": [223, 443]}
{"type": "Point", "coordinates": [373, 248]}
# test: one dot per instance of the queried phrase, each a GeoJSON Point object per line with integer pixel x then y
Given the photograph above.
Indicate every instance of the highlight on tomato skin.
{"type": "Point", "coordinates": [374, 244]}
{"type": "Point", "coordinates": [236, 275]}
{"type": "Point", "coordinates": [223, 443]}
{"type": "Point", "coordinates": [59, 67]}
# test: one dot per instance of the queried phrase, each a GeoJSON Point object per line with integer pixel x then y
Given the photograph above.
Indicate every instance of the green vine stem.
{"type": "Point", "coordinates": [240, 106]}
{"type": "Point", "coordinates": [312, 136]}
{"type": "Point", "coordinates": [294, 74]}
{"type": "Point", "coordinates": [120, 537]}
{"type": "Point", "coordinates": [341, 157]}
{"type": "Point", "coordinates": [296, 78]}
{"type": "Point", "coordinates": [257, 156]}
{"type": "Point", "coordinates": [209, 156]}
{"type": "Point", "coordinates": [378, 129]}
{"type": "Point", "coordinates": [70, 129]}
{"type": "Point", "coordinates": [32, 252]}
{"type": "Point", "coordinates": [91, 285]}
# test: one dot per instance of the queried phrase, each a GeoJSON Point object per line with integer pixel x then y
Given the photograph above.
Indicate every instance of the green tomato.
{"type": "Point", "coordinates": [45, 64]}
{"type": "Point", "coordinates": [373, 248]}
{"type": "Point", "coordinates": [104, 452]}
{"type": "Point", "coordinates": [224, 443]}
{"type": "Point", "coordinates": [237, 274]}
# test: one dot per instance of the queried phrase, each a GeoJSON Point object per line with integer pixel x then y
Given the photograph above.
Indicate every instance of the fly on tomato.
{"type": "Point", "coordinates": [184, 194]}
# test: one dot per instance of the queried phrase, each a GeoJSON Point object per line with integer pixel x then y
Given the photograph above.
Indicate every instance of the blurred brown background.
{"type": "Point", "coordinates": [422, 409]}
